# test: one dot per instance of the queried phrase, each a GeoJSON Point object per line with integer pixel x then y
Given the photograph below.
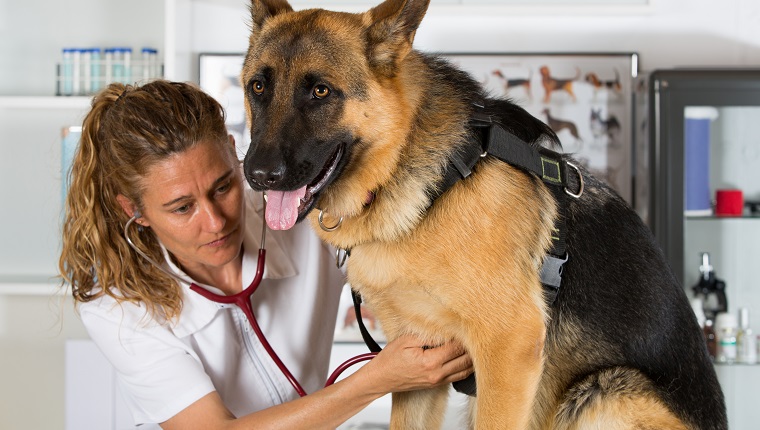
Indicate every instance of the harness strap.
{"type": "Point", "coordinates": [368, 340]}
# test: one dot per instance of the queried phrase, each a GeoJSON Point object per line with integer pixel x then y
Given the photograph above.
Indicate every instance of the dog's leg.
{"type": "Point", "coordinates": [419, 410]}
{"type": "Point", "coordinates": [547, 94]}
{"type": "Point", "coordinates": [512, 364]}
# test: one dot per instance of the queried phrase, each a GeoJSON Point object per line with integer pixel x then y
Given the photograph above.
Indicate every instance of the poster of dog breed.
{"type": "Point", "coordinates": [571, 93]}
{"type": "Point", "coordinates": [357, 132]}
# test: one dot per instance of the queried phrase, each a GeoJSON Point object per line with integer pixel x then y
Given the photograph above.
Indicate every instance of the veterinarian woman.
{"type": "Point", "coordinates": [159, 155]}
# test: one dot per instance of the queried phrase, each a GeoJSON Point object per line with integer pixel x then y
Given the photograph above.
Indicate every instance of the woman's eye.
{"type": "Point", "coordinates": [182, 209]}
{"type": "Point", "coordinates": [321, 91]}
{"type": "Point", "coordinates": [257, 87]}
{"type": "Point", "coordinates": [224, 188]}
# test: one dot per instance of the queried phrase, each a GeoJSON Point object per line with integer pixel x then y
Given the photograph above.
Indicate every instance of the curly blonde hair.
{"type": "Point", "coordinates": [128, 130]}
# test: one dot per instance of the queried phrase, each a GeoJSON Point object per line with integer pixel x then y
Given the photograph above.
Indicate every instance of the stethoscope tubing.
{"type": "Point", "coordinates": [243, 301]}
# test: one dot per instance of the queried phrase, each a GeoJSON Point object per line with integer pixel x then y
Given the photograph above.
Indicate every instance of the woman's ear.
{"type": "Point", "coordinates": [130, 209]}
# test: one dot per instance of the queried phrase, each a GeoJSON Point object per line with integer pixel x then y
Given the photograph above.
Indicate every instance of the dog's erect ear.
{"type": "Point", "coordinates": [391, 32]}
{"type": "Point", "coordinates": [261, 10]}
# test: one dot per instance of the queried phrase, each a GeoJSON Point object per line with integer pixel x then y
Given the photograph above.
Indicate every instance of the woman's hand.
{"type": "Point", "coordinates": [405, 364]}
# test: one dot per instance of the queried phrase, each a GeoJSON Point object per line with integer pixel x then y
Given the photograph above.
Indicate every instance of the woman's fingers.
{"type": "Point", "coordinates": [453, 360]}
{"type": "Point", "coordinates": [407, 364]}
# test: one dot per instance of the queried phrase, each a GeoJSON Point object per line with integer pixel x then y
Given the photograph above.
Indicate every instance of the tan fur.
{"type": "Point", "coordinates": [433, 300]}
{"type": "Point", "coordinates": [466, 268]}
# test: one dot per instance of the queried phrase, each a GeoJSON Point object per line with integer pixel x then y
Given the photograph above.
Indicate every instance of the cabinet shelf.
{"type": "Point", "coordinates": [10, 287]}
{"type": "Point", "coordinates": [44, 102]}
{"type": "Point", "coordinates": [720, 218]}
{"type": "Point", "coordinates": [736, 364]}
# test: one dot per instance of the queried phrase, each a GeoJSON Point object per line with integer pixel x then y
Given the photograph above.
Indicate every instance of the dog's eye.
{"type": "Point", "coordinates": [257, 87]}
{"type": "Point", "coordinates": [321, 91]}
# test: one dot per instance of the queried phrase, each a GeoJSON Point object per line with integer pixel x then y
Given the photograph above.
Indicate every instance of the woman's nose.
{"type": "Point", "coordinates": [213, 217]}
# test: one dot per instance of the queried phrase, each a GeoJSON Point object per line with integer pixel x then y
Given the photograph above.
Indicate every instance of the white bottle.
{"type": "Point", "coordinates": [96, 71]}
{"type": "Point", "coordinates": [149, 64]}
{"type": "Point", "coordinates": [67, 72]}
{"type": "Point", "coordinates": [725, 330]}
{"type": "Point", "coordinates": [76, 73]}
{"type": "Point", "coordinates": [127, 58]}
{"type": "Point", "coordinates": [746, 348]}
{"type": "Point", "coordinates": [85, 75]}
{"type": "Point", "coordinates": [118, 69]}
{"type": "Point", "coordinates": [108, 66]}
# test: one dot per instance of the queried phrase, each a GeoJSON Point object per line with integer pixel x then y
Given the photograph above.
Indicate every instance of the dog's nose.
{"type": "Point", "coordinates": [265, 178]}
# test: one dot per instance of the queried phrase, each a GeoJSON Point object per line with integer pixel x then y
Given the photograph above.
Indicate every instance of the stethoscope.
{"type": "Point", "coordinates": [243, 301]}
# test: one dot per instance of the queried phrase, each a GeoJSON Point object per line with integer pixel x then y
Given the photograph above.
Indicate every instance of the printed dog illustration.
{"type": "Point", "coordinates": [552, 84]}
{"type": "Point", "coordinates": [598, 84]}
{"type": "Point", "coordinates": [600, 127]}
{"type": "Point", "coordinates": [558, 125]}
{"type": "Point", "coordinates": [360, 133]}
{"type": "Point", "coordinates": [512, 83]}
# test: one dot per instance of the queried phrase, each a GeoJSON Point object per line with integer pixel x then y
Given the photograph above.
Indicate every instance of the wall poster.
{"type": "Point", "coordinates": [587, 99]}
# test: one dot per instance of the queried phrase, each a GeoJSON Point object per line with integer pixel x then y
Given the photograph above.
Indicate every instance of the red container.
{"type": "Point", "coordinates": [729, 203]}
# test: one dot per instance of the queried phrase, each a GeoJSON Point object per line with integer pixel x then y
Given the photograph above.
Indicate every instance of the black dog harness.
{"type": "Point", "coordinates": [491, 139]}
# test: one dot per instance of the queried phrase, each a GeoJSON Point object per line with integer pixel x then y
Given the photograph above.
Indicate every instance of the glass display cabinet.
{"type": "Point", "coordinates": [703, 158]}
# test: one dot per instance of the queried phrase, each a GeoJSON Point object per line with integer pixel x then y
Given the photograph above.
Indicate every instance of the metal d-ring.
{"type": "Point", "coordinates": [580, 182]}
{"type": "Point", "coordinates": [326, 228]}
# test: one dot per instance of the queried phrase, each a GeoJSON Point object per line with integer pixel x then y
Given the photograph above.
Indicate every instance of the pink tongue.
{"type": "Point", "coordinates": [282, 208]}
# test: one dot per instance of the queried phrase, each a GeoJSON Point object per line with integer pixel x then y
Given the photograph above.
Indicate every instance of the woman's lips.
{"type": "Point", "coordinates": [219, 242]}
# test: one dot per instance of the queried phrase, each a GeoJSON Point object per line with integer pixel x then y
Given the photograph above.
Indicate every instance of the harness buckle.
{"type": "Point", "coordinates": [551, 270]}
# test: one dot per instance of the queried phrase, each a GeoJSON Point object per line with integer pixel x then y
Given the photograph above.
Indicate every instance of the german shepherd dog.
{"type": "Point", "coordinates": [353, 128]}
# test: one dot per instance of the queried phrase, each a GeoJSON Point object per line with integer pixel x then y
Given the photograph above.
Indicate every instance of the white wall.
{"type": "Point", "coordinates": [671, 33]}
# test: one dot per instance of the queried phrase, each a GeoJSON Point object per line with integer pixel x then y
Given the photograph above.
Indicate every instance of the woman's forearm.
{"type": "Point", "coordinates": [325, 409]}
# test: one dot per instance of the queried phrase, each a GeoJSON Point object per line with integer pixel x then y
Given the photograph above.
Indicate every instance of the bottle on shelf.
{"type": "Point", "coordinates": [85, 74]}
{"type": "Point", "coordinates": [66, 73]}
{"type": "Point", "coordinates": [726, 328]}
{"type": "Point", "coordinates": [122, 67]}
{"type": "Point", "coordinates": [85, 71]}
{"type": "Point", "coordinates": [96, 74]}
{"type": "Point", "coordinates": [108, 65]}
{"type": "Point", "coordinates": [746, 348]}
{"type": "Point", "coordinates": [149, 63]}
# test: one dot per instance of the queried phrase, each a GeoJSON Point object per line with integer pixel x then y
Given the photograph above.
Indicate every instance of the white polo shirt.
{"type": "Point", "coordinates": [163, 367]}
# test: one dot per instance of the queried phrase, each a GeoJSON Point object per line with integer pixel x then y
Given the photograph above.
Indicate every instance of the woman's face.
{"type": "Point", "coordinates": [193, 202]}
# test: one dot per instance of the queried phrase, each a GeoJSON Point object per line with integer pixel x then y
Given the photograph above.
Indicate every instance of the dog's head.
{"type": "Point", "coordinates": [322, 98]}
{"type": "Point", "coordinates": [592, 79]}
